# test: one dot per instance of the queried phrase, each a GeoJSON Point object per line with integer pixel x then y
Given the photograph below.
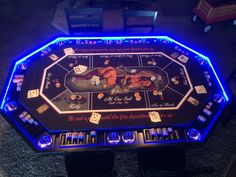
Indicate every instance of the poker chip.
{"type": "Point", "coordinates": [79, 97]}
{"type": "Point", "coordinates": [176, 82]}
{"type": "Point", "coordinates": [136, 94]}
{"type": "Point", "coordinates": [100, 95]}
{"type": "Point", "coordinates": [73, 97]}
{"type": "Point", "coordinates": [155, 92]}
{"type": "Point", "coordinates": [173, 79]}
{"type": "Point", "coordinates": [133, 70]}
{"type": "Point", "coordinates": [149, 62]}
{"type": "Point", "coordinates": [138, 98]}
{"type": "Point", "coordinates": [58, 85]}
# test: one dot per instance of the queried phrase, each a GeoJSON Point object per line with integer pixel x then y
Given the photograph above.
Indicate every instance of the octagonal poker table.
{"type": "Point", "coordinates": [98, 93]}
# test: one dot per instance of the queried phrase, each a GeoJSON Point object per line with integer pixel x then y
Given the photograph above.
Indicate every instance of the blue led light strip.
{"type": "Point", "coordinates": [208, 60]}
{"type": "Point", "coordinates": [111, 38]}
{"type": "Point", "coordinates": [13, 71]}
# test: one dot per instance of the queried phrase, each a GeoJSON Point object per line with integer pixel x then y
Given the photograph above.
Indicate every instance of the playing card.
{"type": "Point", "coordinates": [154, 116]}
{"type": "Point", "coordinates": [42, 108]}
{"type": "Point", "coordinates": [193, 101]}
{"type": "Point", "coordinates": [183, 58]}
{"type": "Point", "coordinates": [200, 89]}
{"type": "Point", "coordinates": [33, 93]}
{"type": "Point", "coordinates": [80, 69]}
{"type": "Point", "coordinates": [95, 118]}
{"type": "Point", "coordinates": [53, 57]}
{"type": "Point", "coordinates": [68, 51]}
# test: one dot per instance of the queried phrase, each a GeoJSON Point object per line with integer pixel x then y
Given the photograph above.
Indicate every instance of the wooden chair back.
{"type": "Point", "coordinates": [86, 20]}
{"type": "Point", "coordinates": [139, 19]}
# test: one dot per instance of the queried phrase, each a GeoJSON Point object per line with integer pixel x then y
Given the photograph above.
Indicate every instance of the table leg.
{"type": "Point", "coordinates": [167, 162]}
{"type": "Point", "coordinates": [55, 3]}
{"type": "Point", "coordinates": [90, 164]}
{"type": "Point", "coordinates": [161, 161]}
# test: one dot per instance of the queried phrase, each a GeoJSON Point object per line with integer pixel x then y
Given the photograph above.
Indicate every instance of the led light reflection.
{"type": "Point", "coordinates": [45, 141]}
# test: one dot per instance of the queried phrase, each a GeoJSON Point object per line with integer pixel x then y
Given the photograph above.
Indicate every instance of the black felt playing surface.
{"type": "Point", "coordinates": [73, 97]}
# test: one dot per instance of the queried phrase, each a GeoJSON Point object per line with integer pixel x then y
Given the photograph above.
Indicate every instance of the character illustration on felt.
{"type": "Point", "coordinates": [118, 80]}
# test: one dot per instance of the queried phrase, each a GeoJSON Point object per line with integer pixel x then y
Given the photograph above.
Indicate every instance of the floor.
{"type": "Point", "coordinates": [26, 24]}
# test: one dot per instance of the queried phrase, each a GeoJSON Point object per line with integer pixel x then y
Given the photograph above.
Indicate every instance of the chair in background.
{"type": "Point", "coordinates": [86, 20]}
{"type": "Point", "coordinates": [139, 19]}
{"type": "Point", "coordinates": [55, 4]}
{"type": "Point", "coordinates": [72, 3]}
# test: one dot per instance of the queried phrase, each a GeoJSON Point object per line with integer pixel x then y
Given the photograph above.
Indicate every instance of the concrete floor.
{"type": "Point", "coordinates": [25, 25]}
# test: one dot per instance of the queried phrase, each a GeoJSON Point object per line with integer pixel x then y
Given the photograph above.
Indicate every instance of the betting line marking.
{"type": "Point", "coordinates": [64, 82]}
{"type": "Point", "coordinates": [90, 59]}
{"type": "Point", "coordinates": [90, 100]}
{"type": "Point", "coordinates": [88, 106]}
{"type": "Point", "coordinates": [167, 65]}
{"type": "Point", "coordinates": [59, 94]}
{"type": "Point", "coordinates": [147, 97]}
{"type": "Point", "coordinates": [140, 60]}
{"type": "Point", "coordinates": [175, 91]}
{"type": "Point", "coordinates": [63, 67]}
{"type": "Point", "coordinates": [115, 110]}
{"type": "Point", "coordinates": [91, 104]}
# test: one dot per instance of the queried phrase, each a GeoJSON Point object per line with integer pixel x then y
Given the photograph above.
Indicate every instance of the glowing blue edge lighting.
{"type": "Point", "coordinates": [111, 38]}
{"type": "Point", "coordinates": [209, 127]}
{"type": "Point", "coordinates": [27, 135]}
{"type": "Point", "coordinates": [158, 37]}
{"type": "Point", "coordinates": [16, 63]}
{"type": "Point", "coordinates": [62, 39]}
{"type": "Point", "coordinates": [208, 60]}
